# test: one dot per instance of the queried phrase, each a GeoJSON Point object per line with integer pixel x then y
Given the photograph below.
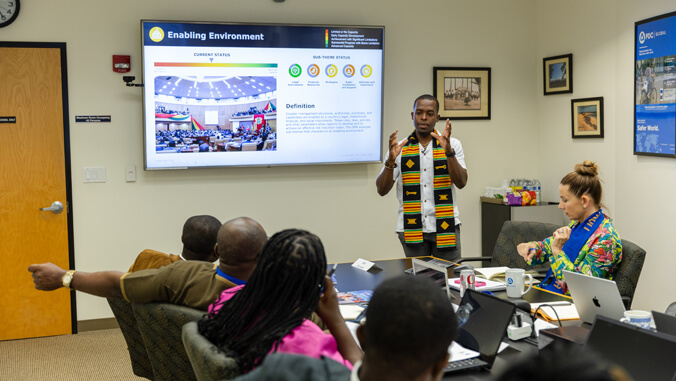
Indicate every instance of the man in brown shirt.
{"type": "Point", "coordinates": [188, 283]}
{"type": "Point", "coordinates": [198, 238]}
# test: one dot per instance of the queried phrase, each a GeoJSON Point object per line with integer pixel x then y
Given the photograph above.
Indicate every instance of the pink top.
{"type": "Point", "coordinates": [307, 339]}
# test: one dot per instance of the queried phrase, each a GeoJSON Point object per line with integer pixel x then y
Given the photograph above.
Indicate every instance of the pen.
{"type": "Point", "coordinates": [333, 270]}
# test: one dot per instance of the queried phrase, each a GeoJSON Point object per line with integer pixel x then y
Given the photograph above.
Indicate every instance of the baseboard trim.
{"type": "Point", "coordinates": [96, 324]}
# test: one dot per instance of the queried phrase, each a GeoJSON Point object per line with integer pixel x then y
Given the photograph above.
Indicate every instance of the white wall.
{"type": "Point", "coordinates": [638, 190]}
{"type": "Point", "coordinates": [527, 136]}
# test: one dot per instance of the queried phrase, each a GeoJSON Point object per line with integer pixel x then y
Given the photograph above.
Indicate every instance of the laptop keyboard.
{"type": "Point", "coordinates": [464, 364]}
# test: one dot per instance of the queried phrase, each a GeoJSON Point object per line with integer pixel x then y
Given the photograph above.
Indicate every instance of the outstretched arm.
{"type": "Point", "coordinates": [457, 172]}
{"type": "Point", "coordinates": [48, 277]}
{"type": "Point", "coordinates": [385, 180]}
{"type": "Point", "coordinates": [330, 313]}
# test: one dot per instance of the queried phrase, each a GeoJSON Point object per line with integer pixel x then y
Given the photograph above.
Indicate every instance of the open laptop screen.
{"type": "Point", "coordinates": [483, 321]}
{"type": "Point", "coordinates": [646, 355]}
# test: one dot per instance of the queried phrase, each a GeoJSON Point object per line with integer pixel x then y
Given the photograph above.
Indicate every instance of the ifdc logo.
{"type": "Point", "coordinates": [295, 70]}
{"type": "Point", "coordinates": [312, 70]}
{"type": "Point", "coordinates": [641, 37]}
{"type": "Point", "coordinates": [156, 34]}
{"type": "Point", "coordinates": [348, 70]}
{"type": "Point", "coordinates": [366, 71]}
{"type": "Point", "coordinates": [331, 70]}
{"type": "Point", "coordinates": [510, 280]}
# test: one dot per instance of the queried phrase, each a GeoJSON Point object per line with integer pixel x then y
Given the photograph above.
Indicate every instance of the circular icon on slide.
{"type": "Point", "coordinates": [313, 70]}
{"type": "Point", "coordinates": [366, 71]}
{"type": "Point", "coordinates": [348, 70]}
{"type": "Point", "coordinates": [331, 70]}
{"type": "Point", "coordinates": [156, 34]}
{"type": "Point", "coordinates": [295, 70]}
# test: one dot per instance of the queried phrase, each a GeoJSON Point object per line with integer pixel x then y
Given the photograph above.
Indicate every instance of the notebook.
{"type": "Point", "coordinates": [645, 354]}
{"type": "Point", "coordinates": [483, 321]}
{"type": "Point", "coordinates": [665, 323]}
{"type": "Point", "coordinates": [594, 296]}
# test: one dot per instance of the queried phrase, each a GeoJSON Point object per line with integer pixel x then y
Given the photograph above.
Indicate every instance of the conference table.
{"type": "Point", "coordinates": [349, 278]}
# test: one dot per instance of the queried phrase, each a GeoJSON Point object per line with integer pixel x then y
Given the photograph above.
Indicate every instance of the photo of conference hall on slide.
{"type": "Point", "coordinates": [196, 128]}
{"type": "Point", "coordinates": [215, 113]}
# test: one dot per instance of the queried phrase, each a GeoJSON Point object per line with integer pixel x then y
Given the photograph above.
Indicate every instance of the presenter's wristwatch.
{"type": "Point", "coordinates": [67, 279]}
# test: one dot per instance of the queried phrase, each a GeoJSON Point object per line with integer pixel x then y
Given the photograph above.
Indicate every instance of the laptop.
{"type": "Point", "coordinates": [665, 323]}
{"type": "Point", "coordinates": [594, 296]}
{"type": "Point", "coordinates": [483, 321]}
{"type": "Point", "coordinates": [645, 354]}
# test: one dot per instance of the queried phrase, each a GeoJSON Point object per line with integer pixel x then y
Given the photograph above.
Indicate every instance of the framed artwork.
{"type": "Point", "coordinates": [463, 92]}
{"type": "Point", "coordinates": [587, 117]}
{"type": "Point", "coordinates": [557, 74]}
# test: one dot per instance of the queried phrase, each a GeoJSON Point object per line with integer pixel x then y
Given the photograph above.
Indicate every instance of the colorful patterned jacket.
{"type": "Point", "coordinates": [599, 257]}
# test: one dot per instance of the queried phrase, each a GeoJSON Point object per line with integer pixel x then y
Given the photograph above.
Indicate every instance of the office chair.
{"type": "Point", "coordinates": [124, 314]}
{"type": "Point", "coordinates": [512, 234]}
{"type": "Point", "coordinates": [161, 326]}
{"type": "Point", "coordinates": [629, 270]}
{"type": "Point", "coordinates": [208, 362]}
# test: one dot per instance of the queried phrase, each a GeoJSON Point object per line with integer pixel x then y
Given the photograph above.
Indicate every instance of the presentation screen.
{"type": "Point", "coordinates": [222, 94]}
{"type": "Point", "coordinates": [655, 86]}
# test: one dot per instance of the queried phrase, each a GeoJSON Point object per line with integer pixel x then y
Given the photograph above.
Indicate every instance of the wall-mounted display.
{"type": "Point", "coordinates": [558, 74]}
{"type": "Point", "coordinates": [463, 92]}
{"type": "Point", "coordinates": [655, 86]}
{"type": "Point", "coordinates": [587, 117]}
{"type": "Point", "coordinates": [222, 94]}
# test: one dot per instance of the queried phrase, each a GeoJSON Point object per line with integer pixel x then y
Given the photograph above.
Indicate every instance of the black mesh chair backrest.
{"type": "Point", "coordinates": [514, 233]}
{"type": "Point", "coordinates": [208, 362]}
{"type": "Point", "coordinates": [161, 326]}
{"type": "Point", "coordinates": [629, 270]}
{"type": "Point", "coordinates": [124, 314]}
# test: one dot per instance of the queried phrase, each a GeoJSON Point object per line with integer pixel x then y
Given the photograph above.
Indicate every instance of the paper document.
{"type": "Point", "coordinates": [564, 310]}
{"type": "Point", "coordinates": [350, 311]}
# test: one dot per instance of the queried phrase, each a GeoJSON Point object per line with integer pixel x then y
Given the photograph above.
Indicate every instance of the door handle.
{"type": "Point", "coordinates": [56, 207]}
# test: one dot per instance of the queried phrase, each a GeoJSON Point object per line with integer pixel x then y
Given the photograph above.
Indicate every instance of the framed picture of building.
{"type": "Point", "coordinates": [463, 92]}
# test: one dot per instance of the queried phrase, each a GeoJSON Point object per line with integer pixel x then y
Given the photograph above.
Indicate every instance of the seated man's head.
{"type": "Point", "coordinates": [409, 326]}
{"type": "Point", "coordinates": [240, 242]}
{"type": "Point", "coordinates": [199, 237]}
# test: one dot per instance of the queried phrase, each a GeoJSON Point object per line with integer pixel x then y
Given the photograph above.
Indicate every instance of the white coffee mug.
{"type": "Point", "coordinates": [638, 318]}
{"type": "Point", "coordinates": [514, 281]}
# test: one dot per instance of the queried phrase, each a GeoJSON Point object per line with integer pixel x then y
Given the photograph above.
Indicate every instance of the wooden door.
{"type": "Point", "coordinates": [34, 172]}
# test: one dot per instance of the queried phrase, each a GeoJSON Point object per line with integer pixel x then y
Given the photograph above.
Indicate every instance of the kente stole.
{"type": "Point", "coordinates": [443, 200]}
{"type": "Point", "coordinates": [579, 235]}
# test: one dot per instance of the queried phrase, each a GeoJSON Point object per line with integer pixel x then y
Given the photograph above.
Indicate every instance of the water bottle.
{"type": "Point", "coordinates": [537, 188]}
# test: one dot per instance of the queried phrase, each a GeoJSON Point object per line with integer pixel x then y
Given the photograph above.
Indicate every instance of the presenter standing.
{"type": "Point", "coordinates": [427, 167]}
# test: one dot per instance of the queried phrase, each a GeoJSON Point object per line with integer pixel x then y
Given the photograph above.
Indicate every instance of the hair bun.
{"type": "Point", "coordinates": [587, 168]}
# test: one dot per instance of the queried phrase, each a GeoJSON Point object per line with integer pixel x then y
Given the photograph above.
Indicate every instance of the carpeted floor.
{"type": "Point", "coordinates": [94, 355]}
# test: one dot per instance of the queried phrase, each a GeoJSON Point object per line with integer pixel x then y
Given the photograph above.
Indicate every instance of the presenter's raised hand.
{"type": "Point", "coordinates": [47, 276]}
{"type": "Point", "coordinates": [395, 147]}
{"type": "Point", "coordinates": [445, 138]}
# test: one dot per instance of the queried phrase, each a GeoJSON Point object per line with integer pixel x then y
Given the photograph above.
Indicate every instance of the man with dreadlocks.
{"type": "Point", "coordinates": [409, 326]}
{"type": "Point", "coordinates": [427, 166]}
{"type": "Point", "coordinates": [271, 312]}
{"type": "Point", "coordinates": [192, 284]}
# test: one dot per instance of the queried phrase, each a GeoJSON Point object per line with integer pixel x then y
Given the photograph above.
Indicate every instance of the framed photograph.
{"type": "Point", "coordinates": [587, 117]}
{"type": "Point", "coordinates": [463, 92]}
{"type": "Point", "coordinates": [557, 74]}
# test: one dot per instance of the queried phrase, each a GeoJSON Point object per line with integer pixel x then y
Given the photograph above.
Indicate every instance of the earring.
{"type": "Point", "coordinates": [584, 206]}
